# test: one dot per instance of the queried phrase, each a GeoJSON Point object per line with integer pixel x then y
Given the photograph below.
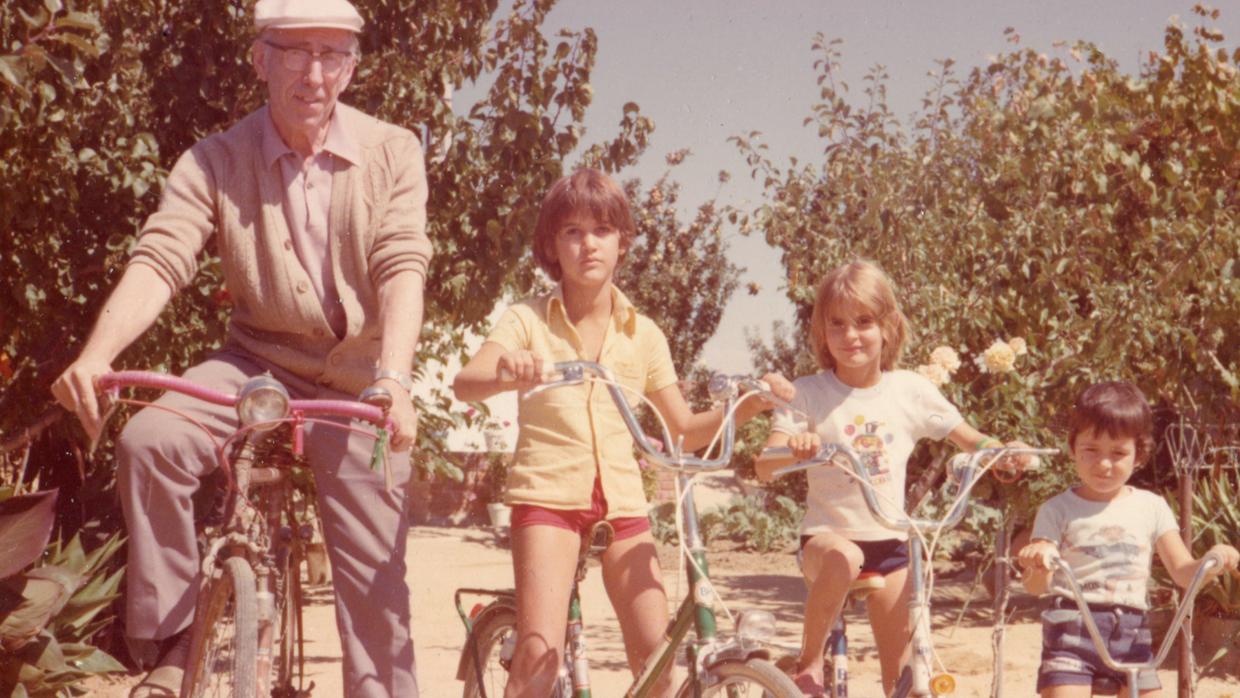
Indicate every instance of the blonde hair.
{"type": "Point", "coordinates": [864, 284]}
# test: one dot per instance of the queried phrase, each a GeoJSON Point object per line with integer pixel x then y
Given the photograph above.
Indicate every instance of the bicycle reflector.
{"type": "Point", "coordinates": [756, 626]}
{"type": "Point", "coordinates": [263, 400]}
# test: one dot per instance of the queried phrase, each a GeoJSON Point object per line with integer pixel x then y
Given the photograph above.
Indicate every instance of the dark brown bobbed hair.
{"type": "Point", "coordinates": [586, 190]}
{"type": "Point", "coordinates": [863, 284]}
{"type": "Point", "coordinates": [1115, 408]}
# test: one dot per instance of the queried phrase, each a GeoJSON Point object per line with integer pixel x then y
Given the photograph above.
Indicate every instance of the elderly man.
{"type": "Point", "coordinates": [319, 216]}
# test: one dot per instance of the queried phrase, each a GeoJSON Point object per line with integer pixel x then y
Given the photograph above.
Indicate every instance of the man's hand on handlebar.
{"type": "Point", "coordinates": [75, 391]}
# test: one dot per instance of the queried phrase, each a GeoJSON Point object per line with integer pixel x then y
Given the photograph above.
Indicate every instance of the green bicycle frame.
{"type": "Point", "coordinates": [695, 611]}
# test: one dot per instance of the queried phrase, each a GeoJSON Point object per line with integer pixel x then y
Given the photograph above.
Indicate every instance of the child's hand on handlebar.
{"type": "Point", "coordinates": [779, 387]}
{"type": "Point", "coordinates": [1228, 556]}
{"type": "Point", "coordinates": [805, 445]}
{"type": "Point", "coordinates": [523, 369]}
{"type": "Point", "coordinates": [1038, 555]}
{"type": "Point", "coordinates": [1015, 464]}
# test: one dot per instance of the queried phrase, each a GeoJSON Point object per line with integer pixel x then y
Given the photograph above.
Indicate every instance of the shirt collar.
{"type": "Point", "coordinates": [623, 312]}
{"type": "Point", "coordinates": [339, 142]}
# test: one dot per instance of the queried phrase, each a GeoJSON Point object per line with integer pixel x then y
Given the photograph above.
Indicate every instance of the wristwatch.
{"type": "Point", "coordinates": [402, 378]}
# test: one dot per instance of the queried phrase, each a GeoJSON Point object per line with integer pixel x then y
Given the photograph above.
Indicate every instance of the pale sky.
{"type": "Point", "coordinates": [705, 70]}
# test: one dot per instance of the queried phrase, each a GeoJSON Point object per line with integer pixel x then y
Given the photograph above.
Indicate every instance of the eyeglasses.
{"type": "Point", "coordinates": [298, 59]}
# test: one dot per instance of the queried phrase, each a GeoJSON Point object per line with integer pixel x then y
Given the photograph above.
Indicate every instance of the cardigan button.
{"type": "Point", "coordinates": [336, 359]}
{"type": "Point", "coordinates": [288, 244]}
{"type": "Point", "coordinates": [302, 287]}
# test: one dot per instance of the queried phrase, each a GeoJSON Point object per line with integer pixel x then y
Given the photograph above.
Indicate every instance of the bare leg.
{"type": "Point", "coordinates": [634, 585]}
{"type": "Point", "coordinates": [889, 619]}
{"type": "Point", "coordinates": [831, 564]}
{"type": "Point", "coordinates": [1069, 692]}
{"type": "Point", "coordinates": [543, 559]}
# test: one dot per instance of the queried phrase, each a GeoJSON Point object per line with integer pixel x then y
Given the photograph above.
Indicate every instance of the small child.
{"type": "Point", "coordinates": [1107, 532]}
{"type": "Point", "coordinates": [574, 461]}
{"type": "Point", "coordinates": [859, 399]}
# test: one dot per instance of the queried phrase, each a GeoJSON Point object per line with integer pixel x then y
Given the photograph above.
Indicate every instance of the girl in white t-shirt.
{"type": "Point", "coordinates": [861, 400]}
{"type": "Point", "coordinates": [1107, 532]}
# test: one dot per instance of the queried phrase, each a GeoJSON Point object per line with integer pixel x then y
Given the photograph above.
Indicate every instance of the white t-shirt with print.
{"type": "Point", "coordinates": [881, 424]}
{"type": "Point", "coordinates": [1108, 545]}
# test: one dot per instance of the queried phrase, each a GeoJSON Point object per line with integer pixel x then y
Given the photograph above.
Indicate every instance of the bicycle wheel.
{"type": "Point", "coordinates": [748, 678]}
{"type": "Point", "coordinates": [489, 637]}
{"type": "Point", "coordinates": [224, 644]}
{"type": "Point", "coordinates": [287, 631]}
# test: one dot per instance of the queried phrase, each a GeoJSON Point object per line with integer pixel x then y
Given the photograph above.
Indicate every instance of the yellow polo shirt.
{"type": "Point", "coordinates": [569, 434]}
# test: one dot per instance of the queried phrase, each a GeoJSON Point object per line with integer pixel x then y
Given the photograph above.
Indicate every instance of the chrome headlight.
{"type": "Point", "coordinates": [262, 399]}
{"type": "Point", "coordinates": [756, 626]}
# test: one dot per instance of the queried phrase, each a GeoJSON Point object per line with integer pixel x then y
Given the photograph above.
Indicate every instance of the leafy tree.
{"type": "Point", "coordinates": [1055, 199]}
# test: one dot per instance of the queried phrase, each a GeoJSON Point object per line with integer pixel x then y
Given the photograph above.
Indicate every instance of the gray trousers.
{"type": "Point", "coordinates": [162, 458]}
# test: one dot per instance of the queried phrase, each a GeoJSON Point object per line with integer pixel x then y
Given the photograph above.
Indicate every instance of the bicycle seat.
{"type": "Point", "coordinates": [597, 539]}
{"type": "Point", "coordinates": [865, 584]}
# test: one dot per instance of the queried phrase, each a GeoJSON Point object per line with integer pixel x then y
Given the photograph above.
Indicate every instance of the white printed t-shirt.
{"type": "Point", "coordinates": [1108, 545]}
{"type": "Point", "coordinates": [881, 424]}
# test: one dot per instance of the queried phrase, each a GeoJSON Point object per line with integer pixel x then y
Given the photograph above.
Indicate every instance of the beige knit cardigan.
{"type": "Point", "coordinates": [376, 229]}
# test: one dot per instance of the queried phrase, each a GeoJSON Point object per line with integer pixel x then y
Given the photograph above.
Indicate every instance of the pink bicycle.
{"type": "Point", "coordinates": [246, 638]}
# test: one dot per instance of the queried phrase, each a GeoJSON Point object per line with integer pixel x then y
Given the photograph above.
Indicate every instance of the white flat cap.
{"type": "Point", "coordinates": [306, 14]}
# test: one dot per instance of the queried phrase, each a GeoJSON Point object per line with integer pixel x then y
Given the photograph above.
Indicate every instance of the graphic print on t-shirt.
{"type": "Point", "coordinates": [1118, 552]}
{"type": "Point", "coordinates": [870, 446]}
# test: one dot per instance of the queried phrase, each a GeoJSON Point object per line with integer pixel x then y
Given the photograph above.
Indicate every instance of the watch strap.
{"type": "Point", "coordinates": [402, 378]}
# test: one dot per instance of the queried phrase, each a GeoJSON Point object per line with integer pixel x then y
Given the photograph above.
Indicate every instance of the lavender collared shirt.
{"type": "Point", "coordinates": [307, 186]}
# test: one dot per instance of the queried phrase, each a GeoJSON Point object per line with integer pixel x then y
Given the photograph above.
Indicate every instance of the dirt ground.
{"type": "Point", "coordinates": [443, 559]}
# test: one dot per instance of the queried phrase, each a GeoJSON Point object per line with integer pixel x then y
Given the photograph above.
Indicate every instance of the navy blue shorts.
{"type": "Point", "coordinates": [1069, 657]}
{"type": "Point", "coordinates": [881, 556]}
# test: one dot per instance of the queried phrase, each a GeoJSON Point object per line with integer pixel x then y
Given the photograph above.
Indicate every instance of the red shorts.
{"type": "Point", "coordinates": [579, 520]}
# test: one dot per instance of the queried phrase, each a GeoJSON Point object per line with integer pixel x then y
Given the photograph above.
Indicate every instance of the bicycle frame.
{"type": "Point", "coordinates": [696, 611]}
{"type": "Point", "coordinates": [1132, 669]}
{"type": "Point", "coordinates": [254, 531]}
{"type": "Point", "coordinates": [916, 676]}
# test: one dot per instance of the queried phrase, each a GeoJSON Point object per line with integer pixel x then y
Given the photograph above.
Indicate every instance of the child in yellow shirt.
{"type": "Point", "coordinates": [574, 462]}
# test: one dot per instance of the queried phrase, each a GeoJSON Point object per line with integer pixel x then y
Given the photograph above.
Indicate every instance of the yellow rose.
{"type": "Point", "coordinates": [945, 357]}
{"type": "Point", "coordinates": [999, 358]}
{"type": "Point", "coordinates": [1018, 346]}
{"type": "Point", "coordinates": [935, 373]}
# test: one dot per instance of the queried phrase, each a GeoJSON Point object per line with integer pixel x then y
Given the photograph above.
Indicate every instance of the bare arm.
{"type": "Point", "coordinates": [698, 428]}
{"type": "Point", "coordinates": [1179, 561]}
{"type": "Point", "coordinates": [132, 307]}
{"type": "Point", "coordinates": [400, 312]}
{"type": "Point", "coordinates": [480, 378]}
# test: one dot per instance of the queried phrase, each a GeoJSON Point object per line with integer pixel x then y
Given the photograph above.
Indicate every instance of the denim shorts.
{"type": "Point", "coordinates": [1069, 657]}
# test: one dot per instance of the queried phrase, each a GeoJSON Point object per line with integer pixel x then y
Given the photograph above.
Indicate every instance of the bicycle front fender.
{"type": "Point", "coordinates": [501, 603]}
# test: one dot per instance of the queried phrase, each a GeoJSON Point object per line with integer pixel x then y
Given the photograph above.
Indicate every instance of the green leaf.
{"type": "Point", "coordinates": [78, 20]}
{"type": "Point", "coordinates": [25, 526]}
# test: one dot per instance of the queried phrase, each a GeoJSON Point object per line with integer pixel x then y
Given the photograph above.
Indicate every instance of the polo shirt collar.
{"type": "Point", "coordinates": [339, 142]}
{"type": "Point", "coordinates": [623, 312]}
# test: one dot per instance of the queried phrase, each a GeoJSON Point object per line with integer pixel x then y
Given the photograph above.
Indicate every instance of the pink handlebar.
{"type": "Point", "coordinates": [309, 408]}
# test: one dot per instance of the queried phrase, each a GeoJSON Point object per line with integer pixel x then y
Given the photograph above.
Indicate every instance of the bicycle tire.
{"type": "Point", "coordinates": [286, 661]}
{"type": "Point", "coordinates": [736, 678]}
{"type": "Point", "coordinates": [488, 638]}
{"type": "Point", "coordinates": [224, 646]}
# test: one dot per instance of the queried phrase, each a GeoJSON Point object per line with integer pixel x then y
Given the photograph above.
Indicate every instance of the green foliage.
{"type": "Point", "coordinates": [677, 273]}
{"type": "Point", "coordinates": [50, 615]}
{"type": "Point", "coordinates": [1216, 521]}
{"type": "Point", "coordinates": [1090, 212]}
{"type": "Point", "coordinates": [158, 78]}
{"type": "Point", "coordinates": [760, 522]}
